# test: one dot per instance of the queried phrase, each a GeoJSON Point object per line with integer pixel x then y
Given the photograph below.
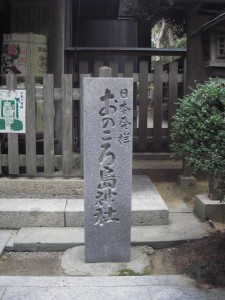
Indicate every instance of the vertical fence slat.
{"type": "Point", "coordinates": [30, 126]}
{"type": "Point", "coordinates": [67, 95]}
{"type": "Point", "coordinates": [13, 145]}
{"type": "Point", "coordinates": [173, 92]}
{"type": "Point", "coordinates": [157, 112]}
{"type": "Point", "coordinates": [81, 124]}
{"type": "Point", "coordinates": [48, 116]}
{"type": "Point", "coordinates": [128, 69]}
{"type": "Point", "coordinates": [115, 68]}
{"type": "Point", "coordinates": [83, 67]}
{"type": "Point", "coordinates": [97, 66]}
{"type": "Point", "coordinates": [143, 106]}
{"type": "Point", "coordinates": [70, 63]}
{"type": "Point", "coordinates": [129, 72]}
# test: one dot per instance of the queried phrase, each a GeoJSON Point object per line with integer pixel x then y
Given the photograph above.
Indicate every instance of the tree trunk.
{"type": "Point", "coordinates": [170, 35]}
{"type": "Point", "coordinates": [162, 30]}
{"type": "Point", "coordinates": [214, 192]}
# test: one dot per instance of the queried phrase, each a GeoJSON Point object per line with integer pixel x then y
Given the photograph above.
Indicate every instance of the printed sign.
{"type": "Point", "coordinates": [13, 111]}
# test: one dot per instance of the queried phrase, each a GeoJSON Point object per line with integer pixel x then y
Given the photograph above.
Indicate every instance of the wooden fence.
{"type": "Point", "coordinates": [167, 82]}
{"type": "Point", "coordinates": [30, 162]}
{"type": "Point", "coordinates": [67, 163]}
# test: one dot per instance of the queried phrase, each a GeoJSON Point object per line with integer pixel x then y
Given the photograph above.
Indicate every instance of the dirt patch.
{"type": "Point", "coordinates": [31, 264]}
{"type": "Point", "coordinates": [203, 260]}
{"type": "Point", "coordinates": [172, 193]}
{"type": "Point", "coordinates": [163, 262]}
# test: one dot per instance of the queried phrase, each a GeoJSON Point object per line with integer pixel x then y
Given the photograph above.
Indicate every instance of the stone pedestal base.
{"type": "Point", "coordinates": [206, 208]}
{"type": "Point", "coordinates": [185, 181]}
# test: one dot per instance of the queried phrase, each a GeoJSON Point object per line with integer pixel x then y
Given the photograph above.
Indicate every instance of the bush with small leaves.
{"type": "Point", "coordinates": [198, 129]}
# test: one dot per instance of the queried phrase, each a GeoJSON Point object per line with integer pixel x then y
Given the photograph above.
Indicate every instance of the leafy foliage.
{"type": "Point", "coordinates": [198, 130]}
{"type": "Point", "coordinates": [168, 27]}
{"type": "Point", "coordinates": [128, 272]}
{"type": "Point", "coordinates": [179, 36]}
{"type": "Point", "coordinates": [142, 10]}
{"type": "Point", "coordinates": [150, 11]}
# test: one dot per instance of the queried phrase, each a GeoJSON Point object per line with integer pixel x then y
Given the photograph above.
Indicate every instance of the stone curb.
{"type": "Point", "coordinates": [182, 227]}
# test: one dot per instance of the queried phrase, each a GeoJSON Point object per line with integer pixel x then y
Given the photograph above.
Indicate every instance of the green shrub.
{"type": "Point", "coordinates": [198, 130]}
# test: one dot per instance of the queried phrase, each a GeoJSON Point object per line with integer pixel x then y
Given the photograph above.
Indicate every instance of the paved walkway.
{"type": "Point", "coordinates": [105, 288]}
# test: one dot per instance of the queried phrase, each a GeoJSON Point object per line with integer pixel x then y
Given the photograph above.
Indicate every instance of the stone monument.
{"type": "Point", "coordinates": [107, 146]}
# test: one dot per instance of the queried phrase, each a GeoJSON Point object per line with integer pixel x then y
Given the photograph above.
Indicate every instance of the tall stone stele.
{"type": "Point", "coordinates": [107, 132]}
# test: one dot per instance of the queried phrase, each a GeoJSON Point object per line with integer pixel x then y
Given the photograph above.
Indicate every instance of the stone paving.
{"type": "Point", "coordinates": [170, 287]}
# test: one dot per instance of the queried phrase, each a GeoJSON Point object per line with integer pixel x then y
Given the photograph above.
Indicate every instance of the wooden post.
{"type": "Point", "coordinates": [69, 59]}
{"type": "Point", "coordinates": [56, 60]}
{"type": "Point", "coordinates": [48, 125]}
{"type": "Point", "coordinates": [13, 145]}
{"type": "Point", "coordinates": [129, 73]}
{"type": "Point", "coordinates": [97, 66]}
{"type": "Point", "coordinates": [67, 90]}
{"type": "Point", "coordinates": [143, 106]}
{"type": "Point", "coordinates": [81, 124]}
{"type": "Point", "coordinates": [173, 93]}
{"type": "Point", "coordinates": [30, 127]}
{"type": "Point", "coordinates": [157, 112]}
{"type": "Point", "coordinates": [115, 68]}
{"type": "Point", "coordinates": [83, 67]}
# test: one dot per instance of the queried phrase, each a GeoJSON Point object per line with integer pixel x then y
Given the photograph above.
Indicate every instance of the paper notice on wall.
{"type": "Point", "coordinates": [13, 111]}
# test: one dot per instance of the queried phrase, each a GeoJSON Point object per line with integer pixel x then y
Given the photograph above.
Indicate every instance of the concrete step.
{"type": "Point", "coordinates": [4, 238]}
{"type": "Point", "coordinates": [148, 208]}
{"type": "Point", "coordinates": [165, 287]}
{"type": "Point", "coordinates": [41, 187]}
{"type": "Point", "coordinates": [181, 227]}
{"type": "Point", "coordinates": [157, 166]}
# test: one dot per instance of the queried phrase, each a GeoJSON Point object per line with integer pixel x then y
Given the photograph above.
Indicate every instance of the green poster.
{"type": "Point", "coordinates": [13, 111]}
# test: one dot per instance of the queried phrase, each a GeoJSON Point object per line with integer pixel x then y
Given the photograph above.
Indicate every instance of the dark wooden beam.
{"type": "Point", "coordinates": [56, 58]}
{"type": "Point", "coordinates": [126, 51]}
{"type": "Point", "coordinates": [210, 24]}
